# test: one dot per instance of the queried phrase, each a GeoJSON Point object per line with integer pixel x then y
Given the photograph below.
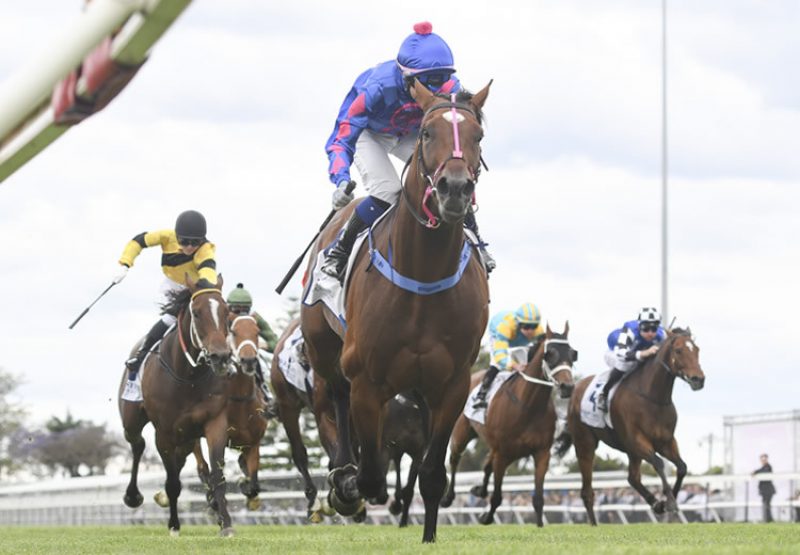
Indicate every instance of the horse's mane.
{"type": "Point", "coordinates": [177, 300]}
{"type": "Point", "coordinates": [465, 97]}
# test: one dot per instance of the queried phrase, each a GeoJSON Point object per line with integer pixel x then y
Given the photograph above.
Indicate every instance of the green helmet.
{"type": "Point", "coordinates": [240, 295]}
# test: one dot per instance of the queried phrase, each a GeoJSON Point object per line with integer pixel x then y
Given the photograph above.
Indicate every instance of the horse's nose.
{"type": "Point", "coordinates": [697, 382]}
{"type": "Point", "coordinates": [565, 389]}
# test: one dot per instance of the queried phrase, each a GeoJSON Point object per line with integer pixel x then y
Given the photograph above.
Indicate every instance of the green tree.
{"type": "Point", "coordinates": [12, 415]}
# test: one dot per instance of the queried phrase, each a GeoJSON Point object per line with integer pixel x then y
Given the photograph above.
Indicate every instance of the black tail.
{"type": "Point", "coordinates": [562, 444]}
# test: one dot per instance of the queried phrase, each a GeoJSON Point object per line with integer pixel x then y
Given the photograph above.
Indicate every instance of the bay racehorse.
{"type": "Point", "coordinates": [184, 386]}
{"type": "Point", "coordinates": [422, 336]}
{"type": "Point", "coordinates": [405, 432]}
{"type": "Point", "coordinates": [643, 417]}
{"type": "Point", "coordinates": [520, 421]}
{"type": "Point", "coordinates": [245, 412]}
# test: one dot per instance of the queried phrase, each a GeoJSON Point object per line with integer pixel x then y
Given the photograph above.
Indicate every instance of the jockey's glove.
{"type": "Point", "coordinates": [341, 196]}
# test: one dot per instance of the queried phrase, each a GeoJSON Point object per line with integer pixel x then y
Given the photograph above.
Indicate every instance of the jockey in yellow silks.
{"type": "Point", "coordinates": [508, 329]}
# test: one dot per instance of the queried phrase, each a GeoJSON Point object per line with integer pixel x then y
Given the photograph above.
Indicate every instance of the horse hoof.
{"type": "Point", "coordinates": [161, 498]}
{"type": "Point", "coordinates": [133, 501]}
{"type": "Point", "coordinates": [486, 518]}
{"type": "Point", "coordinates": [447, 500]}
{"type": "Point", "coordinates": [361, 515]}
{"type": "Point", "coordinates": [226, 533]}
{"type": "Point", "coordinates": [659, 507]}
{"type": "Point", "coordinates": [344, 508]}
{"type": "Point", "coordinates": [174, 532]}
{"type": "Point", "coordinates": [403, 524]}
{"type": "Point", "coordinates": [253, 503]}
{"type": "Point", "coordinates": [381, 498]}
{"type": "Point", "coordinates": [395, 507]}
{"type": "Point", "coordinates": [325, 508]}
{"type": "Point", "coordinates": [315, 517]}
{"type": "Point", "coordinates": [478, 491]}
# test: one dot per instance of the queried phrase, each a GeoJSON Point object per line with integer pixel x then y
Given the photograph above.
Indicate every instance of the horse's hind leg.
{"type": "Point", "coordinates": [134, 420]}
{"type": "Point", "coordinates": [203, 472]}
{"type": "Point", "coordinates": [173, 484]}
{"type": "Point", "coordinates": [499, 465]}
{"type": "Point", "coordinates": [585, 446]}
{"type": "Point", "coordinates": [408, 491]}
{"type": "Point", "coordinates": [396, 506]}
{"type": "Point", "coordinates": [541, 460]}
{"type": "Point", "coordinates": [462, 435]}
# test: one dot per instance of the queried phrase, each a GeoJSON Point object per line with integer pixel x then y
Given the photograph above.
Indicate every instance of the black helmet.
{"type": "Point", "coordinates": [191, 225]}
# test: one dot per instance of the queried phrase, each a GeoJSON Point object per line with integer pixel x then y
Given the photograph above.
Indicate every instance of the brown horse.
{"type": "Point", "coordinates": [246, 406]}
{"type": "Point", "coordinates": [644, 419]}
{"type": "Point", "coordinates": [421, 337]}
{"type": "Point", "coordinates": [184, 385]}
{"type": "Point", "coordinates": [521, 421]}
{"type": "Point", "coordinates": [405, 432]}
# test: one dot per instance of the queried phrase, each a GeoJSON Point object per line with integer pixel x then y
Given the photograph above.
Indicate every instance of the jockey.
{"type": "Point", "coordinates": [185, 251]}
{"type": "Point", "coordinates": [509, 329]}
{"type": "Point", "coordinates": [629, 346]}
{"type": "Point", "coordinates": [378, 118]}
{"type": "Point", "coordinates": [240, 302]}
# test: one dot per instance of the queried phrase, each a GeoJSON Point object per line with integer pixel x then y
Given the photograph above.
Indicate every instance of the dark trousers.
{"type": "Point", "coordinates": [767, 507]}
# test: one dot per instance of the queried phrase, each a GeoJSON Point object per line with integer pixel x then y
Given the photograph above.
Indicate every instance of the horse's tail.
{"type": "Point", "coordinates": [562, 444]}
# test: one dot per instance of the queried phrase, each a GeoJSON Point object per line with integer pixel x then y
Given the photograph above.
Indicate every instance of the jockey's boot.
{"type": "Point", "coordinates": [155, 333]}
{"type": "Point", "coordinates": [602, 398]}
{"type": "Point", "coordinates": [271, 410]}
{"type": "Point", "coordinates": [486, 383]}
{"type": "Point", "coordinates": [335, 262]}
{"type": "Point", "coordinates": [471, 224]}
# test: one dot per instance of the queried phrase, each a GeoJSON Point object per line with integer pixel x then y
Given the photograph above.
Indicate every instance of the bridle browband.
{"type": "Point", "coordinates": [430, 220]}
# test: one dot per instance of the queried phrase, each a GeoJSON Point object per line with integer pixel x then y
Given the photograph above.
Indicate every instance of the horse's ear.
{"type": "Point", "coordinates": [549, 331]}
{"type": "Point", "coordinates": [189, 283]}
{"type": "Point", "coordinates": [219, 282]}
{"type": "Point", "coordinates": [480, 97]}
{"type": "Point", "coordinates": [421, 94]}
{"type": "Point", "coordinates": [566, 328]}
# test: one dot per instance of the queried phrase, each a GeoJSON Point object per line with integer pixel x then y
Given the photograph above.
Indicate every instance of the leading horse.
{"type": "Point", "coordinates": [521, 421]}
{"type": "Point", "coordinates": [184, 386]}
{"type": "Point", "coordinates": [643, 418]}
{"type": "Point", "coordinates": [422, 335]}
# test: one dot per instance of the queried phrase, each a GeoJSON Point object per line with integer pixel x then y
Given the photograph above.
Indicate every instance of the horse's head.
{"type": "Point", "coordinates": [682, 358]}
{"type": "Point", "coordinates": [209, 325]}
{"type": "Point", "coordinates": [558, 359]}
{"type": "Point", "coordinates": [243, 338]}
{"type": "Point", "coordinates": [449, 150]}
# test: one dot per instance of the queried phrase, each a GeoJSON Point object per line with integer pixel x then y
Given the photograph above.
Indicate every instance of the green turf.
{"type": "Point", "coordinates": [354, 539]}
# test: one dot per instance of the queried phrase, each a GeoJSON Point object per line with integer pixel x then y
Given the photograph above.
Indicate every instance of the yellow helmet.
{"type": "Point", "coordinates": [528, 313]}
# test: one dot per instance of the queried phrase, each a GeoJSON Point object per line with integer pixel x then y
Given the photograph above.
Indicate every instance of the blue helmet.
{"type": "Point", "coordinates": [424, 52]}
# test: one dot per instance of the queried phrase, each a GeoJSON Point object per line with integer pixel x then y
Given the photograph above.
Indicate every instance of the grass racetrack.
{"type": "Point", "coordinates": [354, 539]}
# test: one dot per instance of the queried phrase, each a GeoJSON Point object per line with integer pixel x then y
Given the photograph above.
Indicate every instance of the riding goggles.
{"type": "Point", "coordinates": [189, 242]}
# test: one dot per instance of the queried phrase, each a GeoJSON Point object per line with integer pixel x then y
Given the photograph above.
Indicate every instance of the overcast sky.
{"type": "Point", "coordinates": [230, 117]}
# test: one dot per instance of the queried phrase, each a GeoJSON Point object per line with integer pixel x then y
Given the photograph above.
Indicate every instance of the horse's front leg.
{"type": "Point", "coordinates": [585, 447]}
{"type": "Point", "coordinates": [203, 472]}
{"type": "Point", "coordinates": [134, 420]}
{"type": "Point", "coordinates": [217, 437]}
{"type": "Point", "coordinates": [499, 465]}
{"type": "Point", "coordinates": [433, 475]}
{"type": "Point", "coordinates": [366, 402]}
{"type": "Point", "coordinates": [408, 491]}
{"type": "Point", "coordinates": [249, 486]}
{"type": "Point", "coordinates": [635, 480]}
{"type": "Point", "coordinates": [541, 459]}
{"type": "Point", "coordinates": [172, 486]}
{"type": "Point", "coordinates": [290, 416]}
{"type": "Point", "coordinates": [462, 435]}
{"type": "Point", "coordinates": [344, 494]}
{"type": "Point", "coordinates": [673, 455]}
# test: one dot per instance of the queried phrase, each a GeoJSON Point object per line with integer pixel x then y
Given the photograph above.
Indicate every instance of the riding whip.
{"type": "Point", "coordinates": [82, 314]}
{"type": "Point", "coordinates": [293, 269]}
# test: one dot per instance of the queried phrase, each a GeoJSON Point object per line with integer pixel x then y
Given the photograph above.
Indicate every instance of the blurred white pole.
{"type": "Point", "coordinates": [664, 166]}
{"type": "Point", "coordinates": [25, 91]}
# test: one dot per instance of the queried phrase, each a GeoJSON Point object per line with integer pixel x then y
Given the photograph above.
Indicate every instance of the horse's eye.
{"type": "Point", "coordinates": [426, 135]}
